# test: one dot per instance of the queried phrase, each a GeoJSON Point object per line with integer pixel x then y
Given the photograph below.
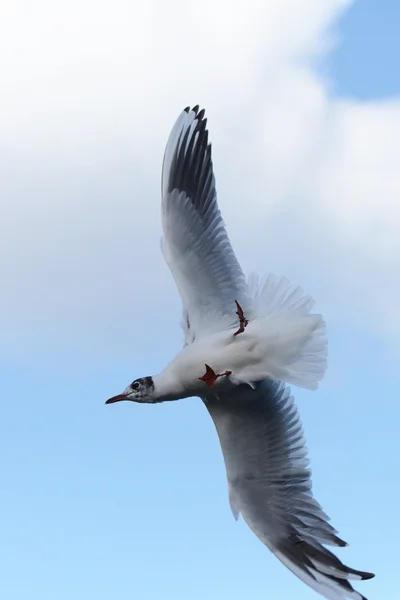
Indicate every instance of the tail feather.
{"type": "Point", "coordinates": [295, 340]}
{"type": "Point", "coordinates": [274, 294]}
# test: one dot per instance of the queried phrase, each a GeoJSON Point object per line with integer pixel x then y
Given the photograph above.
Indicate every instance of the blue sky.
{"type": "Point", "coordinates": [130, 501]}
{"type": "Point", "coordinates": [365, 63]}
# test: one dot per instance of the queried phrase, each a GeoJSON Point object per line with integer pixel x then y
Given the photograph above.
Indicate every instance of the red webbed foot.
{"type": "Point", "coordinates": [210, 376]}
{"type": "Point", "coordinates": [243, 322]}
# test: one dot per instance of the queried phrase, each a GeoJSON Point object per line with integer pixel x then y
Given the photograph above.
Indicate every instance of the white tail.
{"type": "Point", "coordinates": [295, 341]}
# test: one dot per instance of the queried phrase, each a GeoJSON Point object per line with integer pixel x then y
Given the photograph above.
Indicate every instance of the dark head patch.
{"type": "Point", "coordinates": [146, 382]}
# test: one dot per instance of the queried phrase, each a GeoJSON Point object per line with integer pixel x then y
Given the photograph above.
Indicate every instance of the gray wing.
{"type": "Point", "coordinates": [195, 244]}
{"type": "Point", "coordinates": [270, 485]}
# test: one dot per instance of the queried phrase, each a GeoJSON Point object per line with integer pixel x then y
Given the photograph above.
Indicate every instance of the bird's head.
{"type": "Point", "coordinates": [140, 390]}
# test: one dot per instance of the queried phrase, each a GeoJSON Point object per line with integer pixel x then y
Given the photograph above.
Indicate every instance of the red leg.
{"type": "Point", "coordinates": [210, 376]}
{"type": "Point", "coordinates": [243, 322]}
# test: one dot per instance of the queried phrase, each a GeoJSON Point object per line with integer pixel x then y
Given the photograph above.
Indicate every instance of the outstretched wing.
{"type": "Point", "coordinates": [270, 485]}
{"type": "Point", "coordinates": [195, 244]}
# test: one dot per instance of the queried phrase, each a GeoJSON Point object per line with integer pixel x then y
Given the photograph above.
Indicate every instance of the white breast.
{"type": "Point", "coordinates": [289, 347]}
{"type": "Point", "coordinates": [222, 352]}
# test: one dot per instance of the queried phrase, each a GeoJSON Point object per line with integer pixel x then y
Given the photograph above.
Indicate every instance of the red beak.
{"type": "Point", "coordinates": [118, 398]}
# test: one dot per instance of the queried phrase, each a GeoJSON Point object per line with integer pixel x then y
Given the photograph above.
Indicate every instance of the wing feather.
{"type": "Point", "coordinates": [270, 485]}
{"type": "Point", "coordinates": [195, 243]}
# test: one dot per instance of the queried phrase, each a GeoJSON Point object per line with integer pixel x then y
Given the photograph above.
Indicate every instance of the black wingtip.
{"type": "Point", "coordinates": [361, 574]}
{"type": "Point", "coordinates": [196, 109]}
{"type": "Point", "coordinates": [364, 575]}
{"type": "Point", "coordinates": [201, 126]}
{"type": "Point", "coordinates": [339, 542]}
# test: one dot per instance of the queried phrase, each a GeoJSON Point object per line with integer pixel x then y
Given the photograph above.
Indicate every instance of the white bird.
{"type": "Point", "coordinates": [244, 341]}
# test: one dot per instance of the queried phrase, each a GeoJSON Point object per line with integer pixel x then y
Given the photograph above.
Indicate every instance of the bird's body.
{"type": "Point", "coordinates": [244, 341]}
{"type": "Point", "coordinates": [271, 348]}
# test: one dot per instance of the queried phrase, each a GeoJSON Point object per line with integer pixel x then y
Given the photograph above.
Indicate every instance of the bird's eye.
{"type": "Point", "coordinates": [135, 385]}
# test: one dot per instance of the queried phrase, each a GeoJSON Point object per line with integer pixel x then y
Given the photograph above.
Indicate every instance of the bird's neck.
{"type": "Point", "coordinates": [167, 386]}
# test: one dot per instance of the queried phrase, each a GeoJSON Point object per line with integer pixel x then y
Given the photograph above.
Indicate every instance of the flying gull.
{"type": "Point", "coordinates": [244, 341]}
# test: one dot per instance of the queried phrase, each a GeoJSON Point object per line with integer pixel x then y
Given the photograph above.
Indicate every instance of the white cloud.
{"type": "Point", "coordinates": [87, 98]}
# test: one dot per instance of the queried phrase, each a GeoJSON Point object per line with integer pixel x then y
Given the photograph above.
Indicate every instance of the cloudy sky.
{"type": "Point", "coordinates": [303, 100]}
